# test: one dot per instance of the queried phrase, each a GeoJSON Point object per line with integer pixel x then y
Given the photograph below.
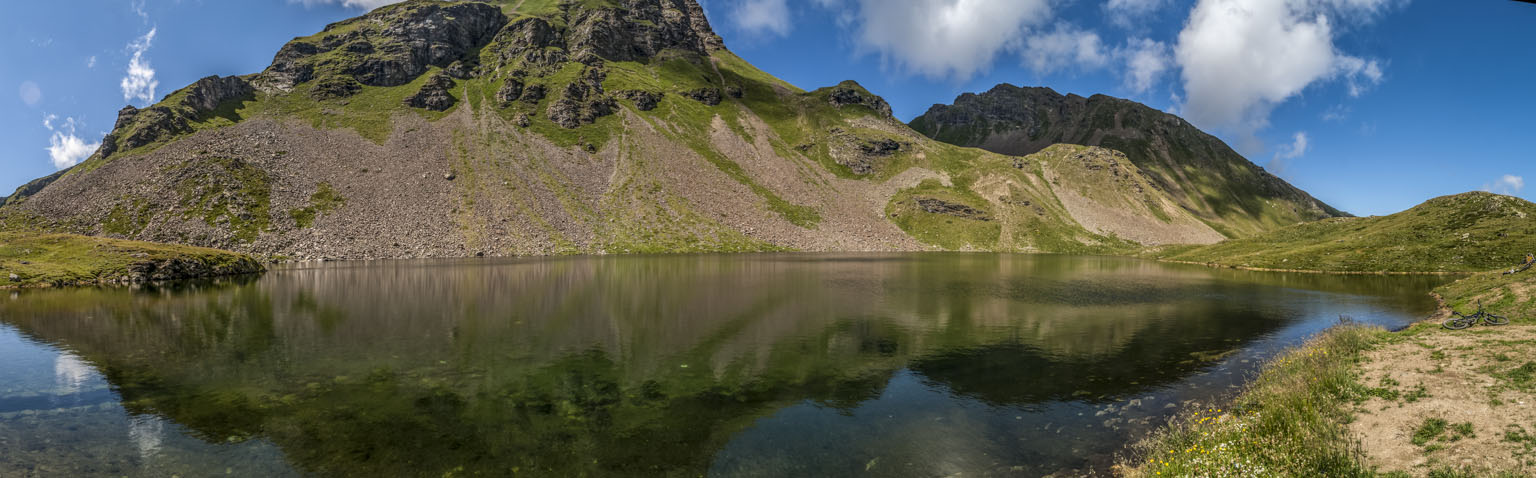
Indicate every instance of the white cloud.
{"type": "Point", "coordinates": [944, 38]}
{"type": "Point", "coordinates": [66, 149]}
{"type": "Point", "coordinates": [90, 62]}
{"type": "Point", "coordinates": [138, 9]}
{"type": "Point", "coordinates": [1297, 147]}
{"type": "Point", "coordinates": [1124, 13]}
{"type": "Point", "coordinates": [1064, 47]}
{"type": "Point", "coordinates": [140, 83]}
{"type": "Point", "coordinates": [1280, 165]}
{"type": "Point", "coordinates": [1507, 184]}
{"type": "Point", "coordinates": [360, 4]}
{"type": "Point", "coordinates": [30, 93]}
{"type": "Point", "coordinates": [1336, 113]}
{"type": "Point", "coordinates": [762, 16]}
{"type": "Point", "coordinates": [1240, 58]}
{"type": "Point", "coordinates": [1145, 62]}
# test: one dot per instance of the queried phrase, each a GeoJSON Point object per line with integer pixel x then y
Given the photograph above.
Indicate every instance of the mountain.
{"type": "Point", "coordinates": [450, 129]}
{"type": "Point", "coordinates": [1469, 232]}
{"type": "Point", "coordinates": [1205, 176]}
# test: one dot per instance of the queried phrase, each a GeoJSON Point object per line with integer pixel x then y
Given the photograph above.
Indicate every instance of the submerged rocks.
{"type": "Point", "coordinates": [434, 95]}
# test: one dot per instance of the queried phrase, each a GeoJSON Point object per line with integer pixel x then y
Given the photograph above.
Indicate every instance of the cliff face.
{"type": "Point", "coordinates": [1207, 177]}
{"type": "Point", "coordinates": [447, 129]}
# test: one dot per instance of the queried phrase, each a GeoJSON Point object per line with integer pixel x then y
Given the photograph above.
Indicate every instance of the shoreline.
{"type": "Point", "coordinates": [1216, 265]}
{"type": "Point", "coordinates": [1364, 401]}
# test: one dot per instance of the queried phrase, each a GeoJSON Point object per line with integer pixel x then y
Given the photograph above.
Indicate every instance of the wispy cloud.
{"type": "Point", "coordinates": [359, 4]}
{"type": "Point", "coordinates": [761, 17]}
{"type": "Point", "coordinates": [65, 148]}
{"type": "Point", "coordinates": [1506, 184]}
{"type": "Point", "coordinates": [140, 82]}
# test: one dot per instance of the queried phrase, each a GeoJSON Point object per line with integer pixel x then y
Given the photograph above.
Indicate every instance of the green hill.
{"type": "Point", "coordinates": [1470, 232]}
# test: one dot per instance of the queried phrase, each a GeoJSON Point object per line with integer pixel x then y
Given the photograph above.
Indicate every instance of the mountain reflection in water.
{"type": "Point", "coordinates": [733, 365]}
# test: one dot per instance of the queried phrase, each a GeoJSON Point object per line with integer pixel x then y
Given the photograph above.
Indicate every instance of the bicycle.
{"type": "Point", "coordinates": [1529, 261]}
{"type": "Point", "coordinates": [1459, 321]}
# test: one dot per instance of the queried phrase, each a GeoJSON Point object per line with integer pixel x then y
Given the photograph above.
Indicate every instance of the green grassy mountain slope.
{"type": "Point", "coordinates": [1202, 173]}
{"type": "Point", "coordinates": [432, 129]}
{"type": "Point", "coordinates": [1468, 232]}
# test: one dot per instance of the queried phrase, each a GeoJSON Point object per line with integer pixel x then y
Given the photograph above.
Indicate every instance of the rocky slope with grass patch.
{"type": "Point", "coordinates": [1470, 232]}
{"type": "Point", "coordinates": [449, 129]}
{"type": "Point", "coordinates": [1205, 177]}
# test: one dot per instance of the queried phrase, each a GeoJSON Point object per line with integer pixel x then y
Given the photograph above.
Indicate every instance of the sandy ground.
{"type": "Point", "coordinates": [1465, 378]}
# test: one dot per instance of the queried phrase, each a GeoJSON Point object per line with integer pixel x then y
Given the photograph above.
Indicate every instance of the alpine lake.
{"type": "Point", "coordinates": [757, 365]}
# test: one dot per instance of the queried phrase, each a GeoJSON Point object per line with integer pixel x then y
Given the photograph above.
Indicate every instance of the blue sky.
{"type": "Point", "coordinates": [1370, 105]}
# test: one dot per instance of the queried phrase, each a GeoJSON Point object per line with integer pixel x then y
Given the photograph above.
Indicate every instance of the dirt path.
{"type": "Point", "coordinates": [1442, 399]}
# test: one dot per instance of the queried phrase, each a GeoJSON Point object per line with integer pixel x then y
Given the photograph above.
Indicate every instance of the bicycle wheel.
{"type": "Point", "coordinates": [1491, 319]}
{"type": "Point", "coordinates": [1457, 323]}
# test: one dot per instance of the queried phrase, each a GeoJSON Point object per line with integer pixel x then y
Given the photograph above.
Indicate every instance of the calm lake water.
{"type": "Point", "coordinates": [900, 365]}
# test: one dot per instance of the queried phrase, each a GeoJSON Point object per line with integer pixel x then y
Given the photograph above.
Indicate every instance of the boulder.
{"type": "Point", "coordinates": [940, 206]}
{"type": "Point", "coordinates": [708, 96]}
{"type": "Point", "coordinates": [644, 100]}
{"type": "Point", "coordinates": [511, 89]}
{"type": "Point", "coordinates": [434, 95]}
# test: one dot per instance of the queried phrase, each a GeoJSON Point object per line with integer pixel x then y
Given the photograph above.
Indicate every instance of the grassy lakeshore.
{"type": "Point", "coordinates": [35, 259]}
{"type": "Point", "coordinates": [1290, 421]}
{"type": "Point", "coordinates": [1363, 402]}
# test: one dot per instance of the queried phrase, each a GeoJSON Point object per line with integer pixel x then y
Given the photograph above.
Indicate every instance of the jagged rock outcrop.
{"type": "Point", "coordinates": [390, 46]}
{"type": "Point", "coordinates": [851, 93]}
{"type": "Point", "coordinates": [708, 96]}
{"type": "Point", "coordinates": [583, 100]}
{"type": "Point", "coordinates": [434, 95]}
{"type": "Point", "coordinates": [644, 100]}
{"type": "Point", "coordinates": [139, 127]}
{"type": "Point", "coordinates": [1210, 179]}
{"type": "Point", "coordinates": [940, 206]}
{"type": "Point", "coordinates": [511, 89]}
{"type": "Point", "coordinates": [208, 93]}
{"type": "Point", "coordinates": [640, 29]}
{"type": "Point", "coordinates": [335, 87]}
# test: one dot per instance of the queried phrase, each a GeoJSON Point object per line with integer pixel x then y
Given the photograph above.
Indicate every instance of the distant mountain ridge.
{"type": "Point", "coordinates": [447, 129]}
{"type": "Point", "coordinates": [1207, 177]}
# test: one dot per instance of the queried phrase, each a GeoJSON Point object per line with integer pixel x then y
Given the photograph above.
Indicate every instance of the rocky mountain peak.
{"type": "Point", "coordinates": [1015, 120]}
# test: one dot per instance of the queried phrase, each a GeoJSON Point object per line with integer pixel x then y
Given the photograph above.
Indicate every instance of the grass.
{"type": "Point", "coordinates": [322, 201]}
{"type": "Point", "coordinates": [1469, 232]}
{"type": "Point", "coordinates": [228, 193]}
{"type": "Point", "coordinates": [943, 230]}
{"type": "Point", "coordinates": [49, 259]}
{"type": "Point", "coordinates": [1290, 421]}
